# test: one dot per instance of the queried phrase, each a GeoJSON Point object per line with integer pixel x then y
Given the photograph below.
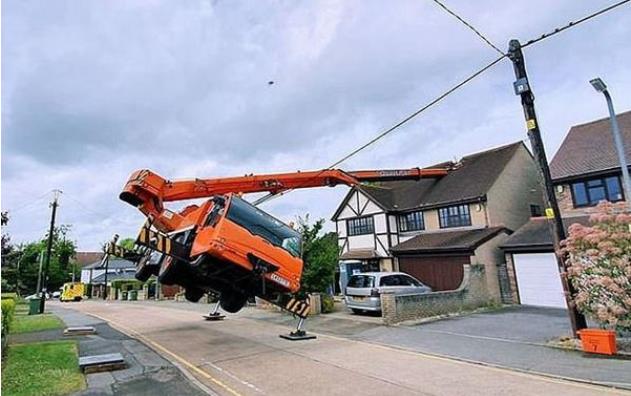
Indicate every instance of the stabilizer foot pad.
{"type": "Point", "coordinates": [298, 336]}
{"type": "Point", "coordinates": [214, 317]}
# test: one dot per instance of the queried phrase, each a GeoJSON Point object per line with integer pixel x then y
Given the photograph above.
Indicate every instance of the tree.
{"type": "Point", "coordinates": [599, 266]}
{"type": "Point", "coordinates": [128, 243]}
{"type": "Point", "coordinates": [20, 270]}
{"type": "Point", "coordinates": [320, 254]}
{"type": "Point", "coordinates": [10, 256]}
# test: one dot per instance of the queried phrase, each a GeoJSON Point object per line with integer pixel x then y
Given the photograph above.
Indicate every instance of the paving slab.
{"type": "Point", "coordinates": [146, 372]}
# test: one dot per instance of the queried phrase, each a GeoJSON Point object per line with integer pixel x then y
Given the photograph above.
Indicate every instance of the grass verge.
{"type": "Point", "coordinates": [44, 368]}
{"type": "Point", "coordinates": [25, 323]}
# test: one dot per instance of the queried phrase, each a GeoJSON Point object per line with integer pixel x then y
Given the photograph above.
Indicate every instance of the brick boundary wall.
{"type": "Point", "coordinates": [471, 293]}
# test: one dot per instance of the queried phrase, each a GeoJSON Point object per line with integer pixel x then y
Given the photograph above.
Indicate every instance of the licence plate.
{"type": "Point", "coordinates": [359, 298]}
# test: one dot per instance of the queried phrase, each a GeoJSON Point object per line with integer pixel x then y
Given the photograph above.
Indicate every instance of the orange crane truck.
{"type": "Point", "coordinates": [225, 245]}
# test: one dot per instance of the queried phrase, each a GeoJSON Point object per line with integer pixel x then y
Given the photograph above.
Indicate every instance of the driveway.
{"type": "Point", "coordinates": [512, 337]}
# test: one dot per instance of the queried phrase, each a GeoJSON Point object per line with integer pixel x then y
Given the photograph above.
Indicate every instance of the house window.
{"type": "Point", "coordinates": [454, 216]}
{"type": "Point", "coordinates": [411, 222]}
{"type": "Point", "coordinates": [590, 192]}
{"type": "Point", "coordinates": [360, 226]}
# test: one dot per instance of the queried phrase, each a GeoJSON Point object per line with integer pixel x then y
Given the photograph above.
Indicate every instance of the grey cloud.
{"type": "Point", "coordinates": [93, 90]}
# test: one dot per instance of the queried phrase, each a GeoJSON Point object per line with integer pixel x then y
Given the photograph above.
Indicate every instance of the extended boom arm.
{"type": "Point", "coordinates": [147, 190]}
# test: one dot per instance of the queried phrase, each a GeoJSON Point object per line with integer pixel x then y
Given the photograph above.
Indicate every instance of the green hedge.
{"type": "Point", "coordinates": [327, 303]}
{"type": "Point", "coordinates": [8, 310]}
{"type": "Point", "coordinates": [9, 296]}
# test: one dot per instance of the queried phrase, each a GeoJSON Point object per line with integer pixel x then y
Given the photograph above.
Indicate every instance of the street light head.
{"type": "Point", "coordinates": [598, 84]}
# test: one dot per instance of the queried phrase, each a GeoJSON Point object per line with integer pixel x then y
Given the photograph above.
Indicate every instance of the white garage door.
{"type": "Point", "coordinates": [538, 280]}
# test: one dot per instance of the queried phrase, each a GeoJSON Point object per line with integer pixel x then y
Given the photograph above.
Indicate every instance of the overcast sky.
{"type": "Point", "coordinates": [92, 90]}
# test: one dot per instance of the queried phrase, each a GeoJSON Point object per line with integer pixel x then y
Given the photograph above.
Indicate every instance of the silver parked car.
{"type": "Point", "coordinates": [363, 290]}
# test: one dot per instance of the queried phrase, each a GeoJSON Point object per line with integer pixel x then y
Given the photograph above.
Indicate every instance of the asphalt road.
{"type": "Point", "coordinates": [243, 355]}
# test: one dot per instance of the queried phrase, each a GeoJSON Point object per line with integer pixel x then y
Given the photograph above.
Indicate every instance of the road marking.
{"type": "Point", "coordinates": [229, 374]}
{"type": "Point", "coordinates": [177, 357]}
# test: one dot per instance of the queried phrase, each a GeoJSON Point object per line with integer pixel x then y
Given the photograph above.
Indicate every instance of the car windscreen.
{"type": "Point", "coordinates": [260, 223]}
{"type": "Point", "coordinates": [361, 281]}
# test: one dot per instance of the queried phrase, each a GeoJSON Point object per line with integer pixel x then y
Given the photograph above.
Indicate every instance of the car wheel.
{"type": "Point", "coordinates": [232, 301]}
{"type": "Point", "coordinates": [193, 294]}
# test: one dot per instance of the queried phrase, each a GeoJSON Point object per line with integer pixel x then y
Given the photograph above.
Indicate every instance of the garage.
{"type": "Point", "coordinates": [437, 272]}
{"type": "Point", "coordinates": [438, 258]}
{"type": "Point", "coordinates": [538, 280]}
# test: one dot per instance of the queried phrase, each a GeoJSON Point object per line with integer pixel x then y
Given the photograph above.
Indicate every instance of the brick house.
{"type": "Point", "coordinates": [433, 228]}
{"type": "Point", "coordinates": [585, 170]}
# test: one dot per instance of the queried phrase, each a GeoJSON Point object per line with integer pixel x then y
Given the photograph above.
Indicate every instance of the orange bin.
{"type": "Point", "coordinates": [598, 341]}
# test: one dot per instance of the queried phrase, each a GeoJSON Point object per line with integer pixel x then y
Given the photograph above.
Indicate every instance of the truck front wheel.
{"type": "Point", "coordinates": [232, 301]}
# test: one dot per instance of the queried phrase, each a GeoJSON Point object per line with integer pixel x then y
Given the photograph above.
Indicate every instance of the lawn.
{"type": "Point", "coordinates": [45, 368]}
{"type": "Point", "coordinates": [26, 323]}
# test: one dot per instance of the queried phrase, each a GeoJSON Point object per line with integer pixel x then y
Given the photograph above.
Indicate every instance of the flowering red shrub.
{"type": "Point", "coordinates": [599, 266]}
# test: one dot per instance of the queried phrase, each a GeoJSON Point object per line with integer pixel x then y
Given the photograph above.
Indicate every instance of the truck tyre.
{"type": "Point", "coordinates": [232, 301]}
{"type": "Point", "coordinates": [193, 294]}
{"type": "Point", "coordinates": [170, 271]}
{"type": "Point", "coordinates": [144, 270]}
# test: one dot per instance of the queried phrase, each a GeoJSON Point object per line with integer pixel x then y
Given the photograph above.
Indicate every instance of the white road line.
{"type": "Point", "coordinates": [229, 374]}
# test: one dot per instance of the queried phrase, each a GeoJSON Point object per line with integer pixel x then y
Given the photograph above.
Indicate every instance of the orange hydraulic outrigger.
{"type": "Point", "coordinates": [225, 245]}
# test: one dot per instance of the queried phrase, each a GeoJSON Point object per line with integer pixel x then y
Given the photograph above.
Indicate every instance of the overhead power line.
{"type": "Point", "coordinates": [418, 112]}
{"type": "Point", "coordinates": [467, 24]}
{"type": "Point", "coordinates": [447, 93]}
{"type": "Point", "coordinates": [29, 203]}
{"type": "Point", "coordinates": [392, 128]}
{"type": "Point", "coordinates": [93, 212]}
{"type": "Point", "coordinates": [574, 23]}
{"type": "Point", "coordinates": [471, 77]}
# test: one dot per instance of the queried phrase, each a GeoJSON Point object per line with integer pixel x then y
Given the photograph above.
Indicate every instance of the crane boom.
{"type": "Point", "coordinates": [148, 190]}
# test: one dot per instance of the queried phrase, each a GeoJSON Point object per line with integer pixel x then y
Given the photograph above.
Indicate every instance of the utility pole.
{"type": "Point", "coordinates": [522, 88]}
{"type": "Point", "coordinates": [39, 272]}
{"type": "Point", "coordinates": [49, 249]}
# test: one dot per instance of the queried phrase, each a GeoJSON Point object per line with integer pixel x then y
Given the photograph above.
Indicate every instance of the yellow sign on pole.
{"type": "Point", "coordinates": [531, 124]}
{"type": "Point", "coordinates": [549, 213]}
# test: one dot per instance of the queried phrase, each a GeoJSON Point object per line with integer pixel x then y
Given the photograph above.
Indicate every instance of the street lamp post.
{"type": "Point", "coordinates": [600, 86]}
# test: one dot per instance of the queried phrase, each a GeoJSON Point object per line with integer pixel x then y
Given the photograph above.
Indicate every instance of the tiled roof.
{"type": "Point", "coordinates": [358, 254]}
{"type": "Point", "coordinates": [589, 148]}
{"type": "Point", "coordinates": [448, 241]}
{"type": "Point", "coordinates": [114, 263]}
{"type": "Point", "coordinates": [536, 235]}
{"type": "Point", "coordinates": [112, 276]}
{"type": "Point", "coordinates": [470, 179]}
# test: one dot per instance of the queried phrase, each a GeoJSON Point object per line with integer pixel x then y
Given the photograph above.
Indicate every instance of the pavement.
{"type": "Point", "coordinates": [515, 337]}
{"type": "Point", "coordinates": [243, 355]}
{"type": "Point", "coordinates": [147, 373]}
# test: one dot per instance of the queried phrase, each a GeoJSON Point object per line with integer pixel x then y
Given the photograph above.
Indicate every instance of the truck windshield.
{"type": "Point", "coordinates": [262, 224]}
